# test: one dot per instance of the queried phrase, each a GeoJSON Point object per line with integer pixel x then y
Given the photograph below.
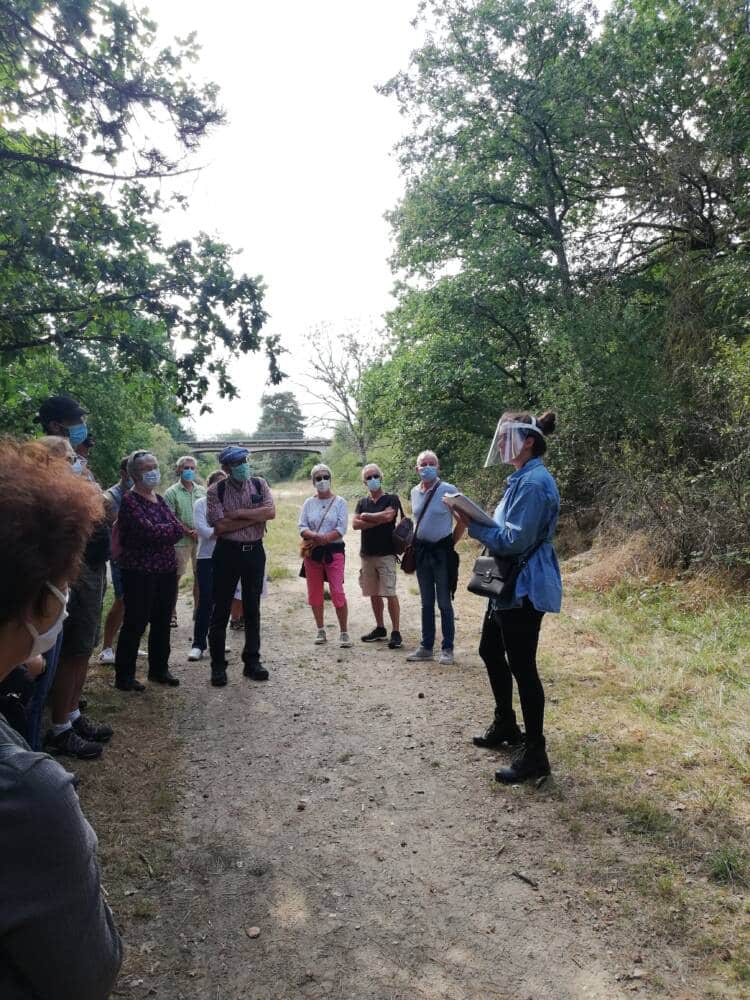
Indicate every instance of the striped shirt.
{"type": "Point", "coordinates": [236, 497]}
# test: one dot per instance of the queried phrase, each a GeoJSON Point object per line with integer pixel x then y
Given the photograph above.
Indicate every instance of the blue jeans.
{"type": "Point", "coordinates": [433, 576]}
{"type": "Point", "coordinates": [204, 573]}
{"type": "Point", "coordinates": [42, 685]}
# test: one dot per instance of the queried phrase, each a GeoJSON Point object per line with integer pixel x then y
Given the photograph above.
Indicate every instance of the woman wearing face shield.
{"type": "Point", "coordinates": [526, 519]}
{"type": "Point", "coordinates": [57, 936]}
{"type": "Point", "coordinates": [147, 531]}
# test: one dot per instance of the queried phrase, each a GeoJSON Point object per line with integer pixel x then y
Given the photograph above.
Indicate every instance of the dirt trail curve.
{"type": "Point", "coordinates": [342, 810]}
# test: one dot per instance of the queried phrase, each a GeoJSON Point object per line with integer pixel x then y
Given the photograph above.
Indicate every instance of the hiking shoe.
{"type": "Point", "coordinates": [173, 623]}
{"type": "Point", "coordinates": [96, 732]}
{"type": "Point", "coordinates": [499, 734]}
{"type": "Point", "coordinates": [166, 678]}
{"type": "Point", "coordinates": [344, 640]}
{"type": "Point", "coordinates": [320, 637]}
{"type": "Point", "coordinates": [218, 678]}
{"type": "Point", "coordinates": [395, 642]}
{"type": "Point", "coordinates": [69, 744]}
{"type": "Point", "coordinates": [376, 635]}
{"type": "Point", "coordinates": [420, 653]}
{"type": "Point", "coordinates": [255, 671]}
{"type": "Point", "coordinates": [107, 655]}
{"type": "Point", "coordinates": [130, 686]}
{"type": "Point", "coordinates": [142, 653]}
{"type": "Point", "coordinates": [529, 763]}
{"type": "Point", "coordinates": [195, 654]}
{"type": "Point", "coordinates": [446, 658]}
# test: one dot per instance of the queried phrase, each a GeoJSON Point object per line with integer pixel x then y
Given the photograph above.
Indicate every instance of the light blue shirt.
{"type": "Point", "coordinates": [527, 513]}
{"type": "Point", "coordinates": [438, 520]}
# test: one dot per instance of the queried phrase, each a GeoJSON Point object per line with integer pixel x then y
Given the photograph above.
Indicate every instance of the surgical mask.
{"type": "Point", "coordinates": [322, 485]}
{"type": "Point", "coordinates": [77, 467]}
{"type": "Point", "coordinates": [188, 475]}
{"type": "Point", "coordinates": [373, 484]}
{"type": "Point", "coordinates": [508, 442]}
{"type": "Point", "coordinates": [77, 434]}
{"type": "Point", "coordinates": [42, 642]}
{"type": "Point", "coordinates": [152, 477]}
{"type": "Point", "coordinates": [241, 473]}
{"type": "Point", "coordinates": [427, 473]}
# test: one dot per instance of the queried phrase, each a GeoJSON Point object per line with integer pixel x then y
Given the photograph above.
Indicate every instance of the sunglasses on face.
{"type": "Point", "coordinates": [322, 479]}
{"type": "Point", "coordinates": [368, 478]}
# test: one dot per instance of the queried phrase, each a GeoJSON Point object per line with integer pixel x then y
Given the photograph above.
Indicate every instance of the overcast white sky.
{"type": "Point", "coordinates": [302, 173]}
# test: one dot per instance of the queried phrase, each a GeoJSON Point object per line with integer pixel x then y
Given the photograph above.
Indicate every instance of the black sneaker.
{"type": "Point", "coordinates": [69, 744]}
{"type": "Point", "coordinates": [395, 642]}
{"type": "Point", "coordinates": [256, 672]}
{"type": "Point", "coordinates": [529, 763]}
{"type": "Point", "coordinates": [166, 678]}
{"type": "Point", "coordinates": [218, 678]}
{"type": "Point", "coordinates": [500, 733]}
{"type": "Point", "coordinates": [130, 686]}
{"type": "Point", "coordinates": [87, 729]}
{"type": "Point", "coordinates": [376, 635]}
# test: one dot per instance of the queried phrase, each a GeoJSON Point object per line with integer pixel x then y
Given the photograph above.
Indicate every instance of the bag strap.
{"type": "Point", "coordinates": [325, 514]}
{"type": "Point", "coordinates": [424, 509]}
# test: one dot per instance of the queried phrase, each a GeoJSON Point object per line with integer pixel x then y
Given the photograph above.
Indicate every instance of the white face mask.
{"type": "Point", "coordinates": [322, 485]}
{"type": "Point", "coordinates": [44, 641]}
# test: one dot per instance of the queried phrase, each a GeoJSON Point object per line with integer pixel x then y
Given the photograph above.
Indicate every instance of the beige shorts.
{"type": "Point", "coordinates": [377, 576]}
{"type": "Point", "coordinates": [185, 554]}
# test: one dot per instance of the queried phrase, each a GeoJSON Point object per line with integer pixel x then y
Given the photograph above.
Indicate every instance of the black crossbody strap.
{"type": "Point", "coordinates": [424, 509]}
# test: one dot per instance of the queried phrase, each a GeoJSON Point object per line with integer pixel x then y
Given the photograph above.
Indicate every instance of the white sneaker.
{"type": "Point", "coordinates": [420, 653]}
{"type": "Point", "coordinates": [320, 637]}
{"type": "Point", "coordinates": [446, 658]}
{"type": "Point", "coordinates": [107, 655]}
{"type": "Point", "coordinates": [142, 653]}
{"type": "Point", "coordinates": [195, 654]}
{"type": "Point", "coordinates": [344, 640]}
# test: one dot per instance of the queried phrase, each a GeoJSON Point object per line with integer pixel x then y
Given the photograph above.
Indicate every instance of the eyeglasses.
{"type": "Point", "coordinates": [369, 478]}
{"type": "Point", "coordinates": [322, 479]}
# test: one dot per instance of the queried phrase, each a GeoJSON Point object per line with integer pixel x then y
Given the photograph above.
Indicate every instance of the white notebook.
{"type": "Point", "coordinates": [457, 501]}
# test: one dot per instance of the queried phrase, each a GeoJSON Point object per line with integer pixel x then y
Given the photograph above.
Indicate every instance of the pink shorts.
{"type": "Point", "coordinates": [317, 572]}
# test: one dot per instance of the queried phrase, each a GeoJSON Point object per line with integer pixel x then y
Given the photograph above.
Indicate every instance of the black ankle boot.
{"type": "Point", "coordinates": [529, 763]}
{"type": "Point", "coordinates": [502, 732]}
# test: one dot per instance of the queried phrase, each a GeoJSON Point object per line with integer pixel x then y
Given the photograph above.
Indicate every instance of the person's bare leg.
{"type": "Point", "coordinates": [236, 612]}
{"type": "Point", "coordinates": [394, 610]}
{"type": "Point", "coordinates": [377, 610]}
{"type": "Point", "coordinates": [342, 614]}
{"type": "Point", "coordinates": [113, 622]}
{"type": "Point", "coordinates": [66, 687]}
{"type": "Point", "coordinates": [317, 610]}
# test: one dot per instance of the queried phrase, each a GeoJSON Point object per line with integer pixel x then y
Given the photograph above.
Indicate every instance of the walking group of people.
{"type": "Point", "coordinates": [59, 529]}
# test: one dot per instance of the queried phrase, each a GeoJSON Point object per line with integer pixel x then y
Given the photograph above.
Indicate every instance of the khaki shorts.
{"type": "Point", "coordinates": [185, 554]}
{"type": "Point", "coordinates": [377, 576]}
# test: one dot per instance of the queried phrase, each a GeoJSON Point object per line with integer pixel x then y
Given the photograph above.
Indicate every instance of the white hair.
{"type": "Point", "coordinates": [427, 454]}
{"type": "Point", "coordinates": [182, 459]}
{"type": "Point", "coordinates": [320, 467]}
{"type": "Point", "coordinates": [135, 459]}
{"type": "Point", "coordinates": [371, 465]}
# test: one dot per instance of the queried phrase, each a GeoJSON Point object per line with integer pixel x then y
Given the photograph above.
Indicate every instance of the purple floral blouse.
{"type": "Point", "coordinates": [148, 532]}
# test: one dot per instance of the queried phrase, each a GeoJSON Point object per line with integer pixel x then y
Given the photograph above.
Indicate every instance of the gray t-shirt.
{"type": "Point", "coordinates": [58, 940]}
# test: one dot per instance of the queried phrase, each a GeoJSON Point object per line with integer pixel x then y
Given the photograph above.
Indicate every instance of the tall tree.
{"type": "Point", "coordinates": [281, 417]}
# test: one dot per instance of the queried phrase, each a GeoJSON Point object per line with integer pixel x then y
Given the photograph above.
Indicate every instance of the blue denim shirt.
{"type": "Point", "coordinates": [527, 513]}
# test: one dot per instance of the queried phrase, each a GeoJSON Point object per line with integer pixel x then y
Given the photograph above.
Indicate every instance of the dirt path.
{"type": "Point", "coordinates": [342, 810]}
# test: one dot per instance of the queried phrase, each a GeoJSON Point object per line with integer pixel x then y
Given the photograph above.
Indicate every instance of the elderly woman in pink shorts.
{"type": "Point", "coordinates": [323, 521]}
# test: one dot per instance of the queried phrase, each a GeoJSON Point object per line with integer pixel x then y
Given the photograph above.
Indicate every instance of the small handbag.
{"type": "Point", "coordinates": [409, 557]}
{"type": "Point", "coordinates": [495, 576]}
{"type": "Point", "coordinates": [403, 534]}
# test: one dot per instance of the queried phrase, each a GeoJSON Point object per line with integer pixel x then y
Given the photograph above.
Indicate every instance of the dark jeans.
{"type": "Point", "coordinates": [42, 684]}
{"type": "Point", "coordinates": [508, 648]}
{"type": "Point", "coordinates": [149, 599]}
{"type": "Point", "coordinates": [434, 578]}
{"type": "Point", "coordinates": [205, 576]}
{"type": "Point", "coordinates": [233, 561]}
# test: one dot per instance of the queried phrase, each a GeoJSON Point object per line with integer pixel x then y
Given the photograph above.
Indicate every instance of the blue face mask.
{"type": "Point", "coordinates": [188, 475]}
{"type": "Point", "coordinates": [77, 434]}
{"type": "Point", "coordinates": [241, 473]}
{"type": "Point", "coordinates": [373, 484]}
{"type": "Point", "coordinates": [427, 473]}
{"type": "Point", "coordinates": [152, 477]}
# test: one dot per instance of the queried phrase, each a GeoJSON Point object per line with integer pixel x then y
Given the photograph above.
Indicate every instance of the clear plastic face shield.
{"type": "Point", "coordinates": [508, 441]}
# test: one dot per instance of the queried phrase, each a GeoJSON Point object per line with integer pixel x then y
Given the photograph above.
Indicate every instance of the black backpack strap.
{"type": "Point", "coordinates": [221, 489]}
{"type": "Point", "coordinates": [257, 484]}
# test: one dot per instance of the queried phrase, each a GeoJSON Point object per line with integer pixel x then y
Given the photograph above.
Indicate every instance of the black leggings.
{"type": "Point", "coordinates": [508, 648]}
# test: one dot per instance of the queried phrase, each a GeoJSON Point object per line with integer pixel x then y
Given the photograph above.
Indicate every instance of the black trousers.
{"type": "Point", "coordinates": [233, 561]}
{"type": "Point", "coordinates": [149, 599]}
{"type": "Point", "coordinates": [508, 647]}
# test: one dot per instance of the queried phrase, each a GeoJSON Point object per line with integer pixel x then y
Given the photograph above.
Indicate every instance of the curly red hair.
{"type": "Point", "coordinates": [47, 515]}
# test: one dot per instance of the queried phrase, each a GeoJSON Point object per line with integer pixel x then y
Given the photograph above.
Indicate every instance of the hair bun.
{"type": "Point", "coordinates": [547, 422]}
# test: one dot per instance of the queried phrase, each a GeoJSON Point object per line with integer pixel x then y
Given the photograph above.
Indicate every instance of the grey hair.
{"type": "Point", "coordinates": [184, 458]}
{"type": "Point", "coordinates": [135, 458]}
{"type": "Point", "coordinates": [428, 454]}
{"type": "Point", "coordinates": [371, 465]}
{"type": "Point", "coordinates": [320, 467]}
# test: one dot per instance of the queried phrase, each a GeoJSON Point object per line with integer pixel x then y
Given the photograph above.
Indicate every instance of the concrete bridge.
{"type": "Point", "coordinates": [264, 444]}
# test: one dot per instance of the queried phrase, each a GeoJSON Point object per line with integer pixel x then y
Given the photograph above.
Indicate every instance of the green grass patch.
{"type": "Point", "coordinates": [730, 865]}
